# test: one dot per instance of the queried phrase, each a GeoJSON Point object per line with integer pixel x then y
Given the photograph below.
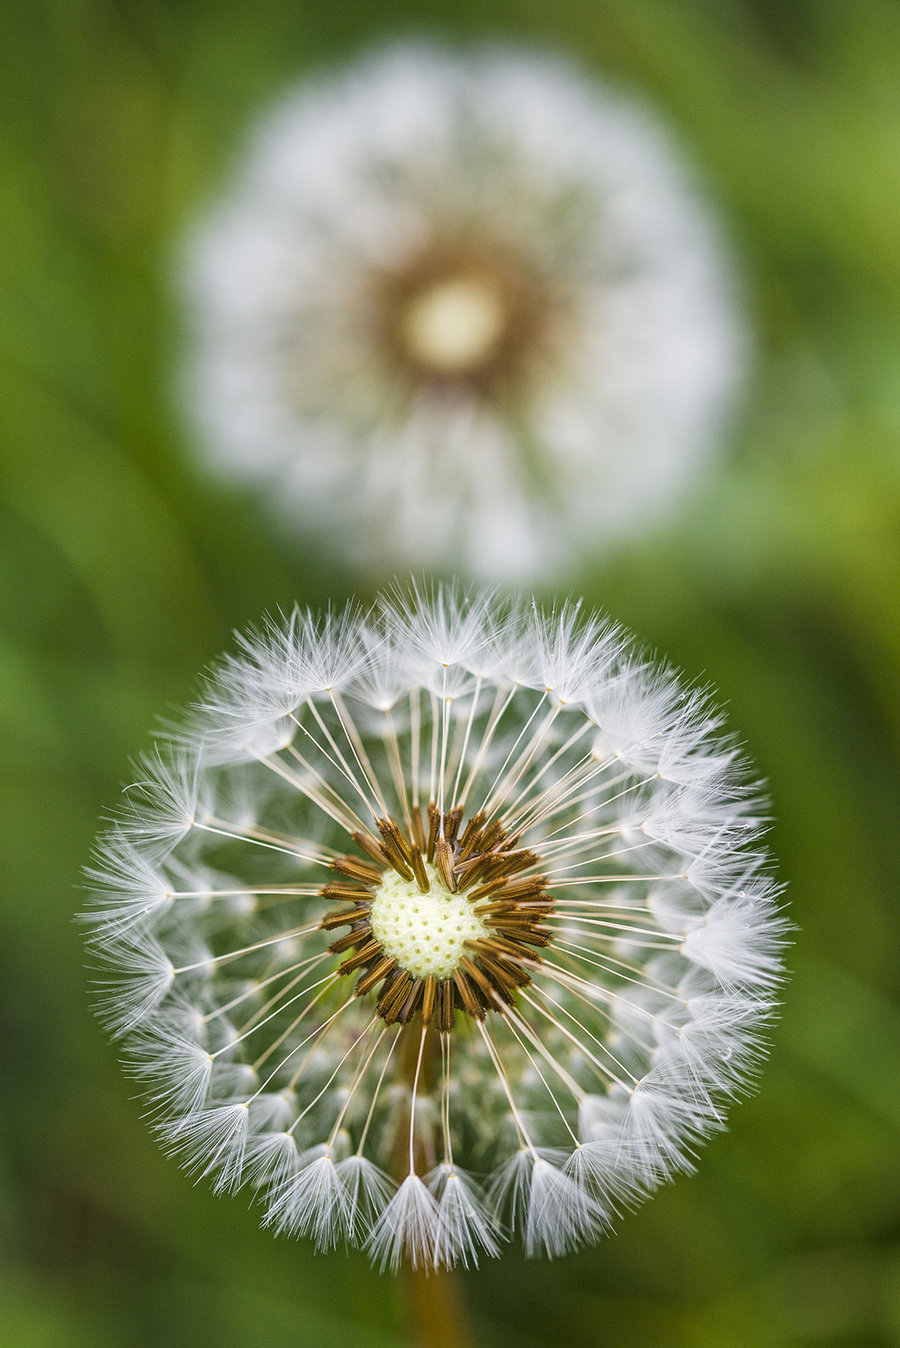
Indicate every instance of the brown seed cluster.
{"type": "Point", "coordinates": [530, 312]}
{"type": "Point", "coordinates": [481, 861]}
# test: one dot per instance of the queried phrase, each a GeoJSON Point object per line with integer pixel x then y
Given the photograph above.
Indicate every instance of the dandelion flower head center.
{"type": "Point", "coordinates": [449, 919]}
{"type": "Point", "coordinates": [425, 933]}
{"type": "Point", "coordinates": [454, 325]}
{"type": "Point", "coordinates": [467, 312]}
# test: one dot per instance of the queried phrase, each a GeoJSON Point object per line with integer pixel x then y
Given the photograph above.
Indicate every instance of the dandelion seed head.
{"type": "Point", "coordinates": [432, 969]}
{"type": "Point", "coordinates": [475, 297]}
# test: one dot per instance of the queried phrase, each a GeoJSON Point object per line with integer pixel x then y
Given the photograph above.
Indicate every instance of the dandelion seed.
{"type": "Point", "coordinates": [457, 955]}
{"type": "Point", "coordinates": [476, 299]}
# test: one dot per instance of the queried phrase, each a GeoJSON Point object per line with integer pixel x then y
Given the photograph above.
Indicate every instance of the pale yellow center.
{"type": "Point", "coordinates": [454, 325]}
{"type": "Point", "coordinates": [425, 933]}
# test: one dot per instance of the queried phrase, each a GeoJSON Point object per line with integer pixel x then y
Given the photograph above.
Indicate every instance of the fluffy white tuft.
{"type": "Point", "coordinates": [740, 940]}
{"type": "Point", "coordinates": [143, 977]}
{"type": "Point", "coordinates": [368, 1191]}
{"type": "Point", "coordinates": [312, 1201]}
{"type": "Point", "coordinates": [211, 1142]}
{"type": "Point", "coordinates": [407, 1229]}
{"type": "Point", "coordinates": [464, 1230]}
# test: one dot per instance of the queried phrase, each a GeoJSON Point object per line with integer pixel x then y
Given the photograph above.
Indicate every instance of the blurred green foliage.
{"type": "Point", "coordinates": [122, 571]}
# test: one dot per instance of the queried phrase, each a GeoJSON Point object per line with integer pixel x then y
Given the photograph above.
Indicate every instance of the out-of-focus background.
{"type": "Point", "coordinates": [123, 570]}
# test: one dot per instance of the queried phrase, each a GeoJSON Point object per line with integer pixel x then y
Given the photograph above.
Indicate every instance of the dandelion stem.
{"type": "Point", "coordinates": [435, 1310]}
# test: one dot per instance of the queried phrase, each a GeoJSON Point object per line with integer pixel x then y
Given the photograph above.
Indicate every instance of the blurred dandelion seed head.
{"type": "Point", "coordinates": [474, 298]}
{"type": "Point", "coordinates": [440, 922]}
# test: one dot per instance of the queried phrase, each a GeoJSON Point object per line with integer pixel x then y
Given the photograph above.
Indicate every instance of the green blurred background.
{"type": "Point", "coordinates": [123, 571]}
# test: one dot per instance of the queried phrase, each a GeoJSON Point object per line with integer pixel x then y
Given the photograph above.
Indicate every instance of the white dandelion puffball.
{"type": "Point", "coordinates": [440, 922]}
{"type": "Point", "coordinates": [461, 309]}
